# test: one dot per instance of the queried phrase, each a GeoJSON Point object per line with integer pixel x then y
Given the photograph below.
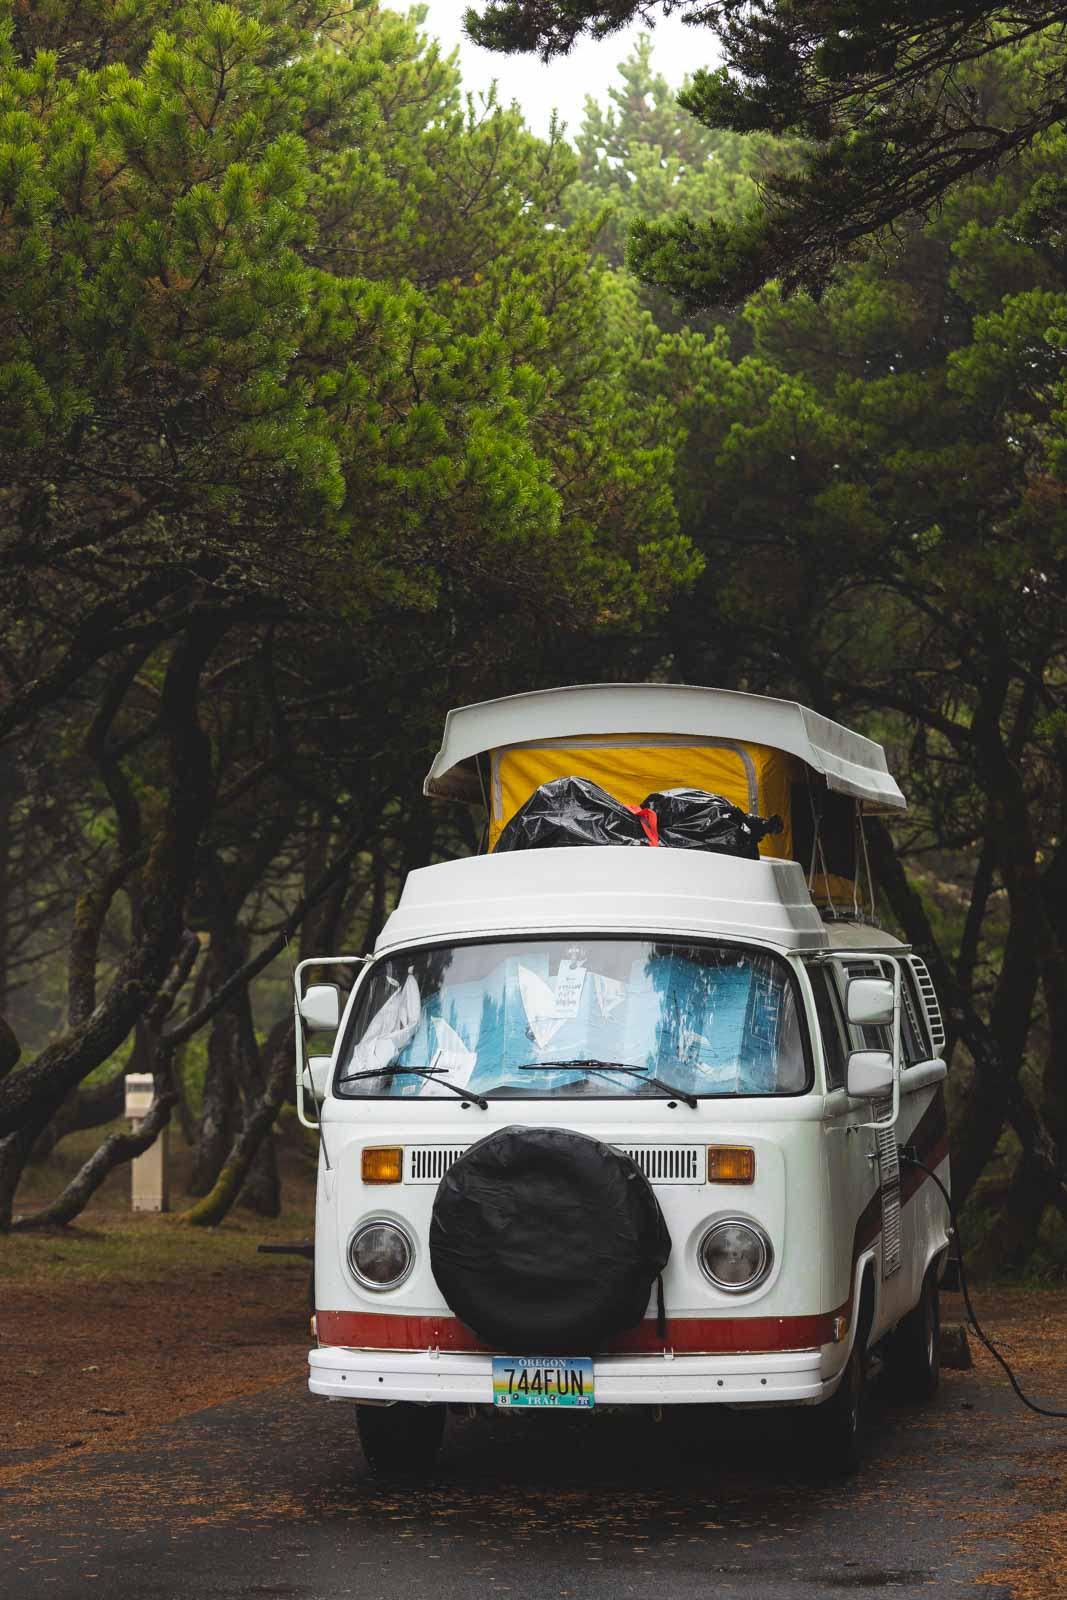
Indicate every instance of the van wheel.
{"type": "Point", "coordinates": [839, 1422]}
{"type": "Point", "coordinates": [914, 1351]}
{"type": "Point", "coordinates": [402, 1440]}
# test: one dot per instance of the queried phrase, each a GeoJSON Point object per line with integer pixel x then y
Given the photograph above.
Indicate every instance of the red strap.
{"type": "Point", "coordinates": [649, 821]}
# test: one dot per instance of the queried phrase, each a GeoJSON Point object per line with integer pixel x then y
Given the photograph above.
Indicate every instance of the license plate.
{"type": "Point", "coordinates": [552, 1381]}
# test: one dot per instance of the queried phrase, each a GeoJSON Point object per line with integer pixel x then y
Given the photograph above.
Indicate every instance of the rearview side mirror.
{"type": "Point", "coordinates": [321, 1007]}
{"type": "Point", "coordinates": [870, 1074]}
{"type": "Point", "coordinates": [869, 1002]}
{"type": "Point", "coordinates": [317, 1077]}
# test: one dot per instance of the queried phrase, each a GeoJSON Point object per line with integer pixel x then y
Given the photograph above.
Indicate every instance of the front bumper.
{"type": "Point", "coordinates": [428, 1376]}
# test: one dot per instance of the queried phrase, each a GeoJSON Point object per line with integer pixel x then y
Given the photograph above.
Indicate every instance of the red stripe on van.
{"type": "Point", "coordinates": [930, 1139]}
{"type": "Point", "coordinates": [375, 1330]}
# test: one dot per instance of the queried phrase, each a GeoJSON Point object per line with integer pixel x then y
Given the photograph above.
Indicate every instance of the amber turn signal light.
{"type": "Point", "coordinates": [385, 1164]}
{"type": "Point", "coordinates": [731, 1163]}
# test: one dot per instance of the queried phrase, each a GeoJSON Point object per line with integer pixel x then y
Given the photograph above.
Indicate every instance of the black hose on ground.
{"type": "Point", "coordinates": [909, 1158]}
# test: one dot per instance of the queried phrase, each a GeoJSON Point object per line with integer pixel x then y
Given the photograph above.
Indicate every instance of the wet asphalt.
{"type": "Point", "coordinates": [269, 1496]}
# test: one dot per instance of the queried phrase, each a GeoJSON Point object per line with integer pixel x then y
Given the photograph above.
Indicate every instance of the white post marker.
{"type": "Point", "coordinates": [149, 1173]}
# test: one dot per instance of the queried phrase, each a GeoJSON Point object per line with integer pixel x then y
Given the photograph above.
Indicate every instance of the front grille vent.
{"type": "Point", "coordinates": [670, 1163]}
{"type": "Point", "coordinates": [660, 1163]}
{"type": "Point", "coordinates": [428, 1163]}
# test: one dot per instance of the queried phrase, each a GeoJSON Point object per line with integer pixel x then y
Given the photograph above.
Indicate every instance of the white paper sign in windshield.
{"type": "Point", "coordinates": [570, 981]}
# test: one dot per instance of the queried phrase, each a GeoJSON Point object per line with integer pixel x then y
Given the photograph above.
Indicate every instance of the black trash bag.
{"type": "Point", "coordinates": [693, 819]}
{"type": "Point", "coordinates": [570, 811]}
{"type": "Point", "coordinates": [546, 1242]}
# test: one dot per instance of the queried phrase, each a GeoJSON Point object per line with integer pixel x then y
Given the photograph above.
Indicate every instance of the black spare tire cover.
{"type": "Point", "coordinates": [546, 1242]}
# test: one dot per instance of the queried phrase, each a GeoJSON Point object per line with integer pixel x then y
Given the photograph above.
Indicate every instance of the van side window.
{"type": "Point", "coordinates": [914, 1044]}
{"type": "Point", "coordinates": [831, 1026]}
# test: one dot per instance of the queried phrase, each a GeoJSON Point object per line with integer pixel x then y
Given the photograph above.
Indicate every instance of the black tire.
{"type": "Point", "coordinates": [839, 1422]}
{"type": "Point", "coordinates": [401, 1441]}
{"type": "Point", "coordinates": [913, 1354]}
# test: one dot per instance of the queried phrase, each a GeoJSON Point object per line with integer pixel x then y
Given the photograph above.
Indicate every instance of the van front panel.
{"type": "Point", "coordinates": [792, 1308]}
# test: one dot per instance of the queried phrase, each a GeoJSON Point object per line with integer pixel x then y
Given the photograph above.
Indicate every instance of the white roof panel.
{"type": "Point", "coordinates": [850, 763]}
{"type": "Point", "coordinates": [607, 889]}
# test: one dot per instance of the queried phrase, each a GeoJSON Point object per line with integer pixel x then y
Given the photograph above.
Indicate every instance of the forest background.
{"type": "Point", "coordinates": [330, 399]}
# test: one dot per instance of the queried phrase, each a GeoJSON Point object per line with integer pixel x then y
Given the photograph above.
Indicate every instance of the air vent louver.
{"type": "Point", "coordinates": [661, 1163]}
{"type": "Point", "coordinates": [933, 1009]}
{"type": "Point", "coordinates": [670, 1163]}
{"type": "Point", "coordinates": [428, 1163]}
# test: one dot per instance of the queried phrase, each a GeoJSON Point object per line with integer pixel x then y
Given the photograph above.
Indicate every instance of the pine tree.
{"type": "Point", "coordinates": [309, 430]}
{"type": "Point", "coordinates": [888, 98]}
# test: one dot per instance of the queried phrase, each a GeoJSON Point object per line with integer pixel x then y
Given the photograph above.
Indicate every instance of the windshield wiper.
{"type": "Point", "coordinates": [590, 1064]}
{"type": "Point", "coordinates": [416, 1072]}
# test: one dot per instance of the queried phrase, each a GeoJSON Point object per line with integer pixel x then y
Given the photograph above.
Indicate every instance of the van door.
{"type": "Point", "coordinates": [851, 1156]}
{"type": "Point", "coordinates": [915, 1222]}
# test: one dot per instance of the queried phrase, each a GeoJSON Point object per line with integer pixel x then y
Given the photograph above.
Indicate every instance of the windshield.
{"type": "Point", "coordinates": [543, 1018]}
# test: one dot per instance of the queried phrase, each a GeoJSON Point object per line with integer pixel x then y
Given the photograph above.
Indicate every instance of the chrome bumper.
{"type": "Point", "coordinates": [428, 1376]}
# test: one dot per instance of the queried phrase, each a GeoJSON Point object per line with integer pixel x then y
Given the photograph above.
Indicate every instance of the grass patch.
{"type": "Point", "coordinates": [147, 1248]}
{"type": "Point", "coordinates": [109, 1241]}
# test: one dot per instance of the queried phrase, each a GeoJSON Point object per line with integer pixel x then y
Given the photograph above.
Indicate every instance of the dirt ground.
{"type": "Point", "coordinates": [1029, 1327]}
{"type": "Point", "coordinates": [122, 1322]}
{"type": "Point", "coordinates": [89, 1365]}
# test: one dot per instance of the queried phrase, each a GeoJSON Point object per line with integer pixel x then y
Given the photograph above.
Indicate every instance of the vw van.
{"type": "Point", "coordinates": [608, 1126]}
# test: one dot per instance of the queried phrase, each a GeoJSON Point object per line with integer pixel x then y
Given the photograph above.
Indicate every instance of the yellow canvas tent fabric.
{"type": "Point", "coordinates": [752, 776]}
{"type": "Point", "coordinates": [756, 777]}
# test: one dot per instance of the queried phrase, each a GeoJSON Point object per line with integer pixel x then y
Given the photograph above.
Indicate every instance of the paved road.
{"type": "Point", "coordinates": [269, 1497]}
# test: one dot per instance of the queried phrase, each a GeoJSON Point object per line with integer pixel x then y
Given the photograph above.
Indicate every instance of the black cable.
{"type": "Point", "coordinates": [908, 1156]}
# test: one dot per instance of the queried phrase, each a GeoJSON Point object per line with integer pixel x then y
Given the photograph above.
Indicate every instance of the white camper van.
{"type": "Point", "coordinates": [607, 1126]}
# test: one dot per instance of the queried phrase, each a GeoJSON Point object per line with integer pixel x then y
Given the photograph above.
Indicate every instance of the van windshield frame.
{"type": "Point", "coordinates": [664, 986]}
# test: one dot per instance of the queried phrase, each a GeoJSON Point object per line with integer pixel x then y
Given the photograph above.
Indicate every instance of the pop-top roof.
{"type": "Point", "coordinates": [849, 763]}
{"type": "Point", "coordinates": [591, 889]}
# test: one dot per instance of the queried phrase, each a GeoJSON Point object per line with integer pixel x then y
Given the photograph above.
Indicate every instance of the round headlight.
{"type": "Point", "coordinates": [735, 1255]}
{"type": "Point", "coordinates": [380, 1254]}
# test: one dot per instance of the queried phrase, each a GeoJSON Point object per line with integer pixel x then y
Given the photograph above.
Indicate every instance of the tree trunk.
{"type": "Point", "coordinates": [116, 1148]}
{"type": "Point", "coordinates": [10, 1049]}
{"type": "Point", "coordinates": [43, 1146]}
{"type": "Point", "coordinates": [14, 1153]}
{"type": "Point", "coordinates": [975, 1136]}
{"type": "Point", "coordinates": [217, 1107]}
{"type": "Point", "coordinates": [186, 1119]}
{"type": "Point", "coordinates": [262, 1190]}
{"type": "Point", "coordinates": [1012, 1235]}
{"type": "Point", "coordinates": [92, 1107]}
{"type": "Point", "coordinates": [8, 794]}
{"type": "Point", "coordinates": [996, 1076]}
{"type": "Point", "coordinates": [1017, 1227]}
{"type": "Point", "coordinates": [33, 1095]}
{"type": "Point", "coordinates": [210, 1211]}
{"type": "Point", "coordinates": [324, 902]}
